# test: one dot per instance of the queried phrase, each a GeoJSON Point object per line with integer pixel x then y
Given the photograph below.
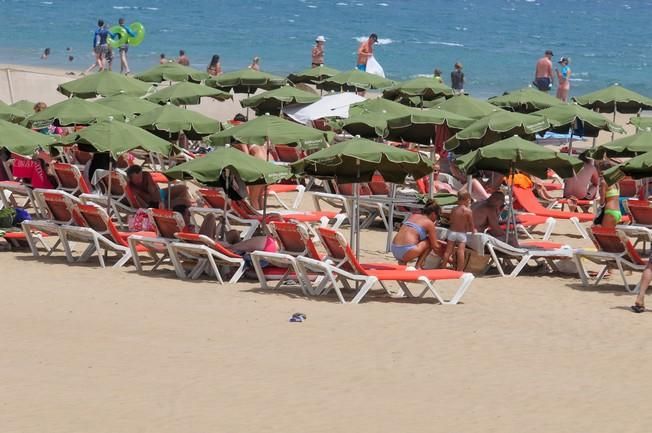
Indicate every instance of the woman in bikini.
{"type": "Point", "coordinates": [610, 202]}
{"type": "Point", "coordinates": [417, 236]}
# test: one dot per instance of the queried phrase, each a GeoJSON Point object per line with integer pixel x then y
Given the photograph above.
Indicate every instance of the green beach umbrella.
{"type": "Point", "coordinates": [11, 114]}
{"type": "Point", "coordinates": [131, 106]}
{"type": "Point", "coordinates": [273, 101]}
{"type": "Point", "coordinates": [615, 98]}
{"type": "Point", "coordinates": [167, 121]}
{"type": "Point", "coordinates": [423, 88]}
{"type": "Point", "coordinates": [641, 123]}
{"type": "Point", "coordinates": [568, 116]}
{"type": "Point", "coordinates": [515, 153]}
{"type": "Point", "coordinates": [104, 83]}
{"type": "Point", "coordinates": [638, 167]}
{"type": "Point", "coordinates": [358, 159]}
{"type": "Point", "coordinates": [185, 93]}
{"type": "Point", "coordinates": [209, 168]}
{"type": "Point", "coordinates": [74, 111]}
{"type": "Point", "coordinates": [526, 100]}
{"type": "Point", "coordinates": [495, 127]}
{"type": "Point", "coordinates": [626, 147]}
{"type": "Point", "coordinates": [369, 118]}
{"type": "Point", "coordinates": [172, 71]}
{"type": "Point", "coordinates": [25, 106]}
{"type": "Point", "coordinates": [246, 81]}
{"type": "Point", "coordinates": [468, 106]}
{"type": "Point", "coordinates": [420, 125]}
{"type": "Point", "coordinates": [354, 80]}
{"type": "Point", "coordinates": [274, 130]}
{"type": "Point", "coordinates": [313, 75]}
{"type": "Point", "coordinates": [117, 138]}
{"type": "Point", "coordinates": [20, 140]}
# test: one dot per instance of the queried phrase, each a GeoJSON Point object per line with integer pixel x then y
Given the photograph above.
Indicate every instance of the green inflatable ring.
{"type": "Point", "coordinates": [121, 37]}
{"type": "Point", "coordinates": [139, 30]}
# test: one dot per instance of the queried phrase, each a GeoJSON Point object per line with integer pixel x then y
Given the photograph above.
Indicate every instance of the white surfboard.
{"type": "Point", "coordinates": [373, 67]}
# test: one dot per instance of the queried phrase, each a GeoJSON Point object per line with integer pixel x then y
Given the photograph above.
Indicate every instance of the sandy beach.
{"type": "Point", "coordinates": [94, 350]}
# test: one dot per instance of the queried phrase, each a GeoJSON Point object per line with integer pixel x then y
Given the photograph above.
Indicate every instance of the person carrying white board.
{"type": "Point", "coordinates": [366, 51]}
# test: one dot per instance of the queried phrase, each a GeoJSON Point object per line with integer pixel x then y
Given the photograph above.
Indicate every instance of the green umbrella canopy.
{"type": "Point", "coordinates": [128, 105]}
{"type": "Point", "coordinates": [20, 140]}
{"type": "Point", "coordinates": [515, 153]}
{"type": "Point", "coordinates": [369, 118]}
{"type": "Point", "coordinates": [273, 129]}
{"type": "Point", "coordinates": [25, 106]}
{"type": "Point", "coordinates": [564, 116]}
{"type": "Point", "coordinates": [74, 111]}
{"type": "Point", "coordinates": [641, 123]}
{"type": "Point", "coordinates": [116, 138]}
{"type": "Point", "coordinates": [358, 159]}
{"type": "Point", "coordinates": [426, 88]}
{"type": "Point", "coordinates": [615, 98]}
{"type": "Point", "coordinates": [105, 83]}
{"type": "Point", "coordinates": [209, 168]}
{"type": "Point", "coordinates": [272, 100]}
{"type": "Point", "coordinates": [468, 106]}
{"type": "Point", "coordinates": [638, 167]}
{"type": "Point", "coordinates": [626, 147]}
{"type": "Point", "coordinates": [185, 93]}
{"type": "Point", "coordinates": [495, 127]}
{"type": "Point", "coordinates": [172, 71]}
{"type": "Point", "coordinates": [11, 114]}
{"type": "Point", "coordinates": [313, 75]}
{"type": "Point", "coordinates": [526, 100]}
{"type": "Point", "coordinates": [246, 81]}
{"type": "Point", "coordinates": [353, 80]}
{"type": "Point", "coordinates": [167, 121]}
{"type": "Point", "coordinates": [419, 125]}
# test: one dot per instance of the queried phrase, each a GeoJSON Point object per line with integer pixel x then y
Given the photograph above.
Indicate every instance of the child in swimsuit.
{"type": "Point", "coordinates": [461, 222]}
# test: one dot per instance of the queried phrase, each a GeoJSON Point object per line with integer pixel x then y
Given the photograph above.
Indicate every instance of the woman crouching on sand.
{"type": "Point", "coordinates": [417, 236]}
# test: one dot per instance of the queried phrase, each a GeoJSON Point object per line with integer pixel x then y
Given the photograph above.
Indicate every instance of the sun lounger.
{"type": "Point", "coordinates": [10, 190]}
{"type": "Point", "coordinates": [167, 224]}
{"type": "Point", "coordinates": [503, 253]}
{"type": "Point", "coordinates": [98, 231]}
{"type": "Point", "coordinates": [345, 267]}
{"type": "Point", "coordinates": [613, 249]}
{"type": "Point", "coordinates": [70, 179]}
{"type": "Point", "coordinates": [214, 203]}
{"type": "Point", "coordinates": [244, 210]}
{"type": "Point", "coordinates": [205, 252]}
{"type": "Point", "coordinates": [123, 203]}
{"type": "Point", "coordinates": [525, 199]}
{"type": "Point", "coordinates": [294, 241]}
{"type": "Point", "coordinates": [279, 188]}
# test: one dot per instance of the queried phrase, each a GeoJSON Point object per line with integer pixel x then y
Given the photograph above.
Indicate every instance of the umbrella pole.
{"type": "Point", "coordinates": [431, 176]}
{"type": "Point", "coordinates": [108, 193]}
{"type": "Point", "coordinates": [570, 141]}
{"type": "Point", "coordinates": [264, 225]}
{"type": "Point", "coordinates": [357, 212]}
{"type": "Point", "coordinates": [510, 213]}
{"type": "Point", "coordinates": [226, 204]}
{"type": "Point", "coordinates": [390, 220]}
{"type": "Point", "coordinates": [615, 108]}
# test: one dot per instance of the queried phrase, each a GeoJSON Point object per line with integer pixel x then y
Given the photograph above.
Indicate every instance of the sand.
{"type": "Point", "coordinates": [95, 350]}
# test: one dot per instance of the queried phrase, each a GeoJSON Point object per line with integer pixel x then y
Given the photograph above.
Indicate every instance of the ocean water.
{"type": "Point", "coordinates": [498, 41]}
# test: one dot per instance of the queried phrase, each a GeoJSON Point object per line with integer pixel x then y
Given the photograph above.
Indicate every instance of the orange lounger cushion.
{"type": "Point", "coordinates": [434, 274]}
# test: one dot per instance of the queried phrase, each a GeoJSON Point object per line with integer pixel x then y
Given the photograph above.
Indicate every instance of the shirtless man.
{"type": "Point", "coordinates": [148, 194]}
{"type": "Point", "coordinates": [461, 222]}
{"type": "Point", "coordinates": [318, 52]}
{"type": "Point", "coordinates": [543, 78]}
{"type": "Point", "coordinates": [183, 58]}
{"type": "Point", "coordinates": [365, 51]}
{"type": "Point", "coordinates": [486, 215]}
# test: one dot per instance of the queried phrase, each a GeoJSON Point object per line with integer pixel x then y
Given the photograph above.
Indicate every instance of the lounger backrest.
{"type": "Point", "coordinates": [118, 183]}
{"type": "Point", "coordinates": [339, 250]}
{"type": "Point", "coordinates": [349, 189]}
{"type": "Point", "coordinates": [82, 157]}
{"type": "Point", "coordinates": [130, 196]}
{"type": "Point", "coordinates": [294, 239]}
{"type": "Point", "coordinates": [287, 153]}
{"type": "Point", "coordinates": [166, 222]}
{"type": "Point", "coordinates": [527, 200]}
{"type": "Point", "coordinates": [609, 240]}
{"type": "Point", "coordinates": [212, 198]}
{"type": "Point", "coordinates": [627, 187]}
{"type": "Point", "coordinates": [422, 185]}
{"type": "Point", "coordinates": [640, 211]}
{"type": "Point", "coordinates": [97, 219]}
{"type": "Point", "coordinates": [378, 186]}
{"type": "Point", "coordinates": [58, 206]}
{"type": "Point", "coordinates": [70, 179]}
{"type": "Point", "coordinates": [244, 210]}
{"type": "Point", "coordinates": [205, 240]}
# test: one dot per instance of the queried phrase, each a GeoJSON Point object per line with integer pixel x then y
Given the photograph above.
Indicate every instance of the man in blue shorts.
{"type": "Point", "coordinates": [365, 51]}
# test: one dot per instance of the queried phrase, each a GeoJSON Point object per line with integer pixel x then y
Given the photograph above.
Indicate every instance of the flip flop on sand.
{"type": "Point", "coordinates": [637, 308]}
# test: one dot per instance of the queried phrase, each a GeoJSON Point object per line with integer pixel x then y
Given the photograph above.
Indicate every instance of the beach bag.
{"type": "Point", "coordinates": [140, 222]}
{"type": "Point", "coordinates": [7, 216]}
{"type": "Point", "coordinates": [20, 216]}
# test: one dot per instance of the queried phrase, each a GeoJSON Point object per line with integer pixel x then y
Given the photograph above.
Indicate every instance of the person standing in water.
{"type": "Point", "coordinates": [366, 51]}
{"type": "Point", "coordinates": [183, 59]}
{"type": "Point", "coordinates": [214, 68]}
{"type": "Point", "coordinates": [543, 79]}
{"type": "Point", "coordinates": [563, 78]}
{"type": "Point", "coordinates": [162, 60]}
{"type": "Point", "coordinates": [124, 66]}
{"type": "Point", "coordinates": [318, 52]}
{"type": "Point", "coordinates": [255, 64]}
{"type": "Point", "coordinates": [457, 79]}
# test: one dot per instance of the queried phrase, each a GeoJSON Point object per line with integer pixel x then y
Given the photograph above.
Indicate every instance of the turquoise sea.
{"type": "Point", "coordinates": [498, 41]}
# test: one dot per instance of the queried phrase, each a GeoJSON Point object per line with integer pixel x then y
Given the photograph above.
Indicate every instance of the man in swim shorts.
{"type": "Point", "coordinates": [124, 66]}
{"type": "Point", "coordinates": [543, 78]}
{"type": "Point", "coordinates": [365, 51]}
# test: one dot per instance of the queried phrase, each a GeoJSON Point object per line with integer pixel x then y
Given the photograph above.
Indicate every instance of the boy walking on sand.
{"type": "Point", "coordinates": [461, 222]}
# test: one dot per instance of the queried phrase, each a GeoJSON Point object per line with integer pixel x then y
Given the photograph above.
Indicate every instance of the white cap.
{"type": "Point", "coordinates": [320, 38]}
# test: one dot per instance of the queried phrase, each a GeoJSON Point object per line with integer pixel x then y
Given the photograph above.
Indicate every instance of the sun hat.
{"type": "Point", "coordinates": [320, 38]}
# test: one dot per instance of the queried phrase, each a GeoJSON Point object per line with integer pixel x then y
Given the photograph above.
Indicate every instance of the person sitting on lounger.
{"type": "Point", "coordinates": [461, 222]}
{"type": "Point", "coordinates": [584, 185]}
{"type": "Point", "coordinates": [486, 216]}
{"type": "Point", "coordinates": [148, 194]}
{"type": "Point", "coordinates": [417, 237]}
